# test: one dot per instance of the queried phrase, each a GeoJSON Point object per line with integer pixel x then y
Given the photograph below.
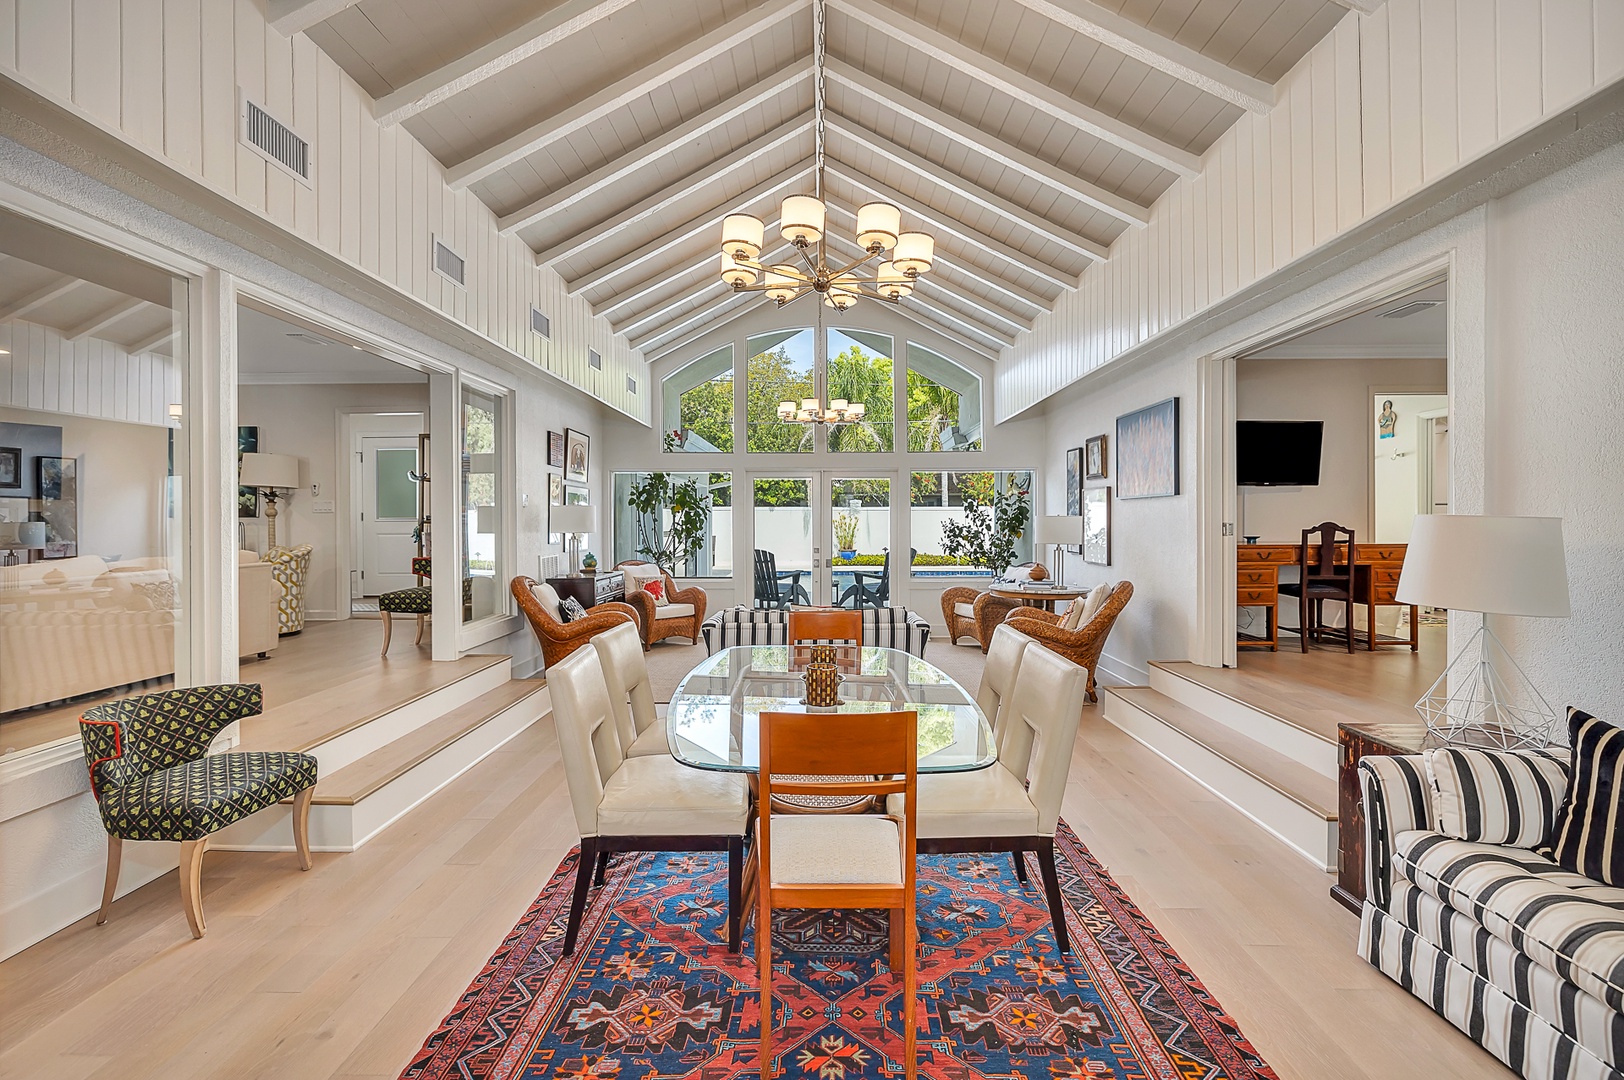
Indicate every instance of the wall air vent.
{"type": "Point", "coordinates": [631, 385]}
{"type": "Point", "coordinates": [447, 263]}
{"type": "Point", "coordinates": [275, 142]}
{"type": "Point", "coordinates": [1414, 307]}
{"type": "Point", "coordinates": [594, 360]}
{"type": "Point", "coordinates": [540, 323]}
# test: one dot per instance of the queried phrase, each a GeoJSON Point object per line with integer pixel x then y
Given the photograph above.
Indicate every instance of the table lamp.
{"type": "Point", "coordinates": [275, 476]}
{"type": "Point", "coordinates": [1059, 532]}
{"type": "Point", "coordinates": [573, 519]}
{"type": "Point", "coordinates": [1496, 566]}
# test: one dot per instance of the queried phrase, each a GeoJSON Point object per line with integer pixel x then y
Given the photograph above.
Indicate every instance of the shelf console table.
{"type": "Point", "coordinates": [1375, 584]}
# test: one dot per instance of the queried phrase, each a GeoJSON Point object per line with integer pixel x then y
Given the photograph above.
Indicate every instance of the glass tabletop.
{"type": "Point", "coordinates": [713, 720]}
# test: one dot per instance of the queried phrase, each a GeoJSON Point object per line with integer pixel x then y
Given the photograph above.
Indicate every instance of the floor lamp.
{"type": "Point", "coordinates": [1496, 566]}
{"type": "Point", "coordinates": [1059, 532]}
{"type": "Point", "coordinates": [573, 519]}
{"type": "Point", "coordinates": [272, 475]}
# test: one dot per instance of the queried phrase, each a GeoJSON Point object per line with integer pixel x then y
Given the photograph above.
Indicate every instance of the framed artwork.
{"type": "Point", "coordinates": [1094, 458]}
{"type": "Point", "coordinates": [1097, 526]}
{"type": "Point", "coordinates": [555, 497]}
{"type": "Point", "coordinates": [575, 496]}
{"type": "Point", "coordinates": [555, 449]}
{"type": "Point", "coordinates": [1074, 487]}
{"type": "Point", "coordinates": [1147, 449]}
{"type": "Point", "coordinates": [11, 467]}
{"type": "Point", "coordinates": [56, 475]}
{"type": "Point", "coordinates": [577, 447]}
{"type": "Point", "coordinates": [247, 497]}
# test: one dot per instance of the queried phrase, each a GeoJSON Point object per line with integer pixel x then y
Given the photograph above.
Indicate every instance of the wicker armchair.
{"type": "Point", "coordinates": [559, 639]}
{"type": "Point", "coordinates": [986, 613]}
{"type": "Point", "coordinates": [681, 618]}
{"type": "Point", "coordinates": [1083, 645]}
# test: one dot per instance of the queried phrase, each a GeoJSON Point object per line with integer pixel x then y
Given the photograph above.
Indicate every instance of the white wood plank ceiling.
{"type": "Point", "coordinates": [614, 135]}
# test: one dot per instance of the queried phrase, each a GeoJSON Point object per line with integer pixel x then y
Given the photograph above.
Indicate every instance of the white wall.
{"type": "Point", "coordinates": [1399, 464]}
{"type": "Point", "coordinates": [1339, 393]}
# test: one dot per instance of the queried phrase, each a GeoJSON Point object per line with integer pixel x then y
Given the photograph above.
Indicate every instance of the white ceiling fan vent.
{"type": "Point", "coordinates": [275, 141]}
{"type": "Point", "coordinates": [540, 323]}
{"type": "Point", "coordinates": [448, 264]}
{"type": "Point", "coordinates": [594, 360]}
{"type": "Point", "coordinates": [1414, 307]}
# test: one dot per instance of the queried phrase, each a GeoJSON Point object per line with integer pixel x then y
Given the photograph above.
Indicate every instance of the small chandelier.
{"type": "Point", "coordinates": [811, 411]}
{"type": "Point", "coordinates": [802, 222]}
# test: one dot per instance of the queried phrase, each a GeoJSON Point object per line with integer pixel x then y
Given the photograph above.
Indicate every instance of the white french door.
{"type": "Point", "coordinates": [794, 518]}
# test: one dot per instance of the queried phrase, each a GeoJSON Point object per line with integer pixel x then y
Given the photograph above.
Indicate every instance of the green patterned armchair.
{"type": "Point", "coordinates": [154, 779]}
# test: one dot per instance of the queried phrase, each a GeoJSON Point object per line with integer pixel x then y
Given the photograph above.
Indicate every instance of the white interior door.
{"type": "Point", "coordinates": [388, 513]}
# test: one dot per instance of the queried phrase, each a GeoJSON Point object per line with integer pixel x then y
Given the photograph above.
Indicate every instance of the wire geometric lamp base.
{"type": "Point", "coordinates": [1484, 699]}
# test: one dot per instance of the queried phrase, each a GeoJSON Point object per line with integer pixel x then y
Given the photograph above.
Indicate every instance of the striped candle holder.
{"type": "Point", "coordinates": [822, 685]}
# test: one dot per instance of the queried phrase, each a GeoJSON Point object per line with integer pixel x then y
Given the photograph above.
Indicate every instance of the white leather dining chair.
{"type": "Point", "coordinates": [1014, 804]}
{"type": "Point", "coordinates": [631, 695]}
{"type": "Point", "coordinates": [998, 676]}
{"type": "Point", "coordinates": [650, 803]}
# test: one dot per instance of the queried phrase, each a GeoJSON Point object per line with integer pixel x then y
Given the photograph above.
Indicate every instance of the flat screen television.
{"type": "Point", "coordinates": [1278, 453]}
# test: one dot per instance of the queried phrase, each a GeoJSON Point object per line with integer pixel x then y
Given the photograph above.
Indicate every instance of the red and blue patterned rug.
{"type": "Point", "coordinates": [652, 992]}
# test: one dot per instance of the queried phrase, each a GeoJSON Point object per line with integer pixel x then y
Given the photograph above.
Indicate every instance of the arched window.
{"type": "Point", "coordinates": [697, 406]}
{"type": "Point", "coordinates": [944, 403]}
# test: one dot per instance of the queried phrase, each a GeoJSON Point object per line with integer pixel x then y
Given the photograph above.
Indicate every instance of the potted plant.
{"type": "Point", "coordinates": [672, 516]}
{"type": "Point", "coordinates": [846, 534]}
{"type": "Point", "coordinates": [987, 533]}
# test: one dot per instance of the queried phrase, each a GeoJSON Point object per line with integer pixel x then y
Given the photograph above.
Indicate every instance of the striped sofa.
{"type": "Point", "coordinates": [889, 627]}
{"type": "Point", "coordinates": [1465, 911]}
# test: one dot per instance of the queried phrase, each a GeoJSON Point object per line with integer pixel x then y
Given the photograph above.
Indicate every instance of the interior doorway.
{"type": "Point", "coordinates": [384, 453]}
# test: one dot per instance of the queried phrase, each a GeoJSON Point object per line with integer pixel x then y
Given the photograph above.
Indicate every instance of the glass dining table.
{"type": "Point", "coordinates": [713, 721]}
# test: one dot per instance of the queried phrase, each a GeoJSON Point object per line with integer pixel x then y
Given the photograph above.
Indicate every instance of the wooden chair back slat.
{"type": "Point", "coordinates": [1318, 557]}
{"type": "Point", "coordinates": [825, 624]}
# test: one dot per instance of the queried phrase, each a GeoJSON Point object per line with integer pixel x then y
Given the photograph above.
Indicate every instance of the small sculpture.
{"type": "Point", "coordinates": [1039, 572]}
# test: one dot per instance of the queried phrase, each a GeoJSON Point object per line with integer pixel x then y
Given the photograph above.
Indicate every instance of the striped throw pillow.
{"type": "Point", "coordinates": [1589, 835]}
{"type": "Point", "coordinates": [1487, 797]}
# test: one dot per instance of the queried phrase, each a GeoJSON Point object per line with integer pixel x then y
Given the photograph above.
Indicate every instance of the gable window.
{"type": "Point", "coordinates": [861, 369]}
{"type": "Point", "coordinates": [697, 406]}
{"type": "Point", "coordinates": [944, 403]}
{"type": "Point", "coordinates": [780, 368]}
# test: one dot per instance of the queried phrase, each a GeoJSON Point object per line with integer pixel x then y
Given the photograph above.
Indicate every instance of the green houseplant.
{"type": "Point", "coordinates": [846, 533]}
{"type": "Point", "coordinates": [672, 516]}
{"type": "Point", "coordinates": [987, 533]}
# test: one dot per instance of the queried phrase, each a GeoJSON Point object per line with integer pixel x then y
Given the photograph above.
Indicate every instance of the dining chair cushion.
{"type": "Point", "coordinates": [675, 611]}
{"type": "Point", "coordinates": [835, 849]}
{"type": "Point", "coordinates": [653, 795]}
{"type": "Point", "coordinates": [986, 802]}
{"type": "Point", "coordinates": [651, 740]}
{"type": "Point", "coordinates": [193, 800]}
{"type": "Point", "coordinates": [964, 610]}
{"type": "Point", "coordinates": [548, 598]}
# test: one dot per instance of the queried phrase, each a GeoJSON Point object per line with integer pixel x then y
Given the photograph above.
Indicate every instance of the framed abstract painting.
{"type": "Point", "coordinates": [1147, 451]}
{"type": "Point", "coordinates": [1097, 526]}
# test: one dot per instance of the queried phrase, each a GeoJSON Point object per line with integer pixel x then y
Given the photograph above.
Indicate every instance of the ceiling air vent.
{"type": "Point", "coordinates": [275, 142]}
{"type": "Point", "coordinates": [593, 360]}
{"type": "Point", "coordinates": [447, 263]}
{"type": "Point", "coordinates": [631, 385]}
{"type": "Point", "coordinates": [540, 323]}
{"type": "Point", "coordinates": [1414, 307]}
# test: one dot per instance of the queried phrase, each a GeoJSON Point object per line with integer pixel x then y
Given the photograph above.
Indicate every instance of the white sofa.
{"type": "Point", "coordinates": [1523, 956]}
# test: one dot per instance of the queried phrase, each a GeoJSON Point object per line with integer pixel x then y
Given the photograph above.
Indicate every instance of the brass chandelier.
{"type": "Point", "coordinates": [802, 222]}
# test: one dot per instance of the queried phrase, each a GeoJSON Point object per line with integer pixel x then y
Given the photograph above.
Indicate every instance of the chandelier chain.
{"type": "Point", "coordinates": [818, 47]}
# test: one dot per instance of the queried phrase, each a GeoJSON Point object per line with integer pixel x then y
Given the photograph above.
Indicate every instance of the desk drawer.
{"type": "Point", "coordinates": [1245, 597]}
{"type": "Point", "coordinates": [1254, 576]}
{"type": "Point", "coordinates": [1382, 553]}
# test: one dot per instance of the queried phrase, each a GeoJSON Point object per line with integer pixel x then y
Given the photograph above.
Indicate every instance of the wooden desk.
{"type": "Point", "coordinates": [1375, 584]}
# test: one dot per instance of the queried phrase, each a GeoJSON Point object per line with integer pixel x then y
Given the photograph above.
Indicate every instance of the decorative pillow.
{"type": "Point", "coordinates": [656, 589]}
{"type": "Point", "coordinates": [547, 597]}
{"type": "Point", "coordinates": [1497, 798]}
{"type": "Point", "coordinates": [571, 609]}
{"type": "Point", "coordinates": [1074, 614]}
{"type": "Point", "coordinates": [1097, 596]}
{"type": "Point", "coordinates": [1589, 835]}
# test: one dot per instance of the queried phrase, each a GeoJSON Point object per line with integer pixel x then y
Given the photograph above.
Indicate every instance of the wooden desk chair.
{"type": "Point", "coordinates": [1320, 578]}
{"type": "Point", "coordinates": [825, 624]}
{"type": "Point", "coordinates": [845, 861]}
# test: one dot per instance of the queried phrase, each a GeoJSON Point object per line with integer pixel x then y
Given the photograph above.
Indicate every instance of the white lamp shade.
{"type": "Point", "coordinates": [1495, 565]}
{"type": "Point", "coordinates": [914, 252]}
{"type": "Point", "coordinates": [877, 225]}
{"type": "Point", "coordinates": [842, 292]}
{"type": "Point", "coordinates": [736, 273]}
{"type": "Point", "coordinates": [269, 471]}
{"type": "Point", "coordinates": [1059, 530]}
{"type": "Point", "coordinates": [892, 283]}
{"type": "Point", "coordinates": [801, 219]}
{"type": "Point", "coordinates": [573, 518]}
{"type": "Point", "coordinates": [782, 284]}
{"type": "Point", "coordinates": [742, 235]}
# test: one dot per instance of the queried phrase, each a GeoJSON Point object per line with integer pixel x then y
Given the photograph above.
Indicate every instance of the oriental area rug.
{"type": "Point", "coordinates": [651, 991]}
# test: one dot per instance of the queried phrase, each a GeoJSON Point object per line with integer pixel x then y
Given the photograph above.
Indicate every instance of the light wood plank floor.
{"type": "Point", "coordinates": [341, 972]}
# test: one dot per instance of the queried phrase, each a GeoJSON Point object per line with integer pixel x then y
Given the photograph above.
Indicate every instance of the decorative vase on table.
{"type": "Point", "coordinates": [589, 563]}
{"type": "Point", "coordinates": [822, 685]}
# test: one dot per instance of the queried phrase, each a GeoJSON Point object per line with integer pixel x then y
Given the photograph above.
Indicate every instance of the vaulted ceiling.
{"type": "Point", "coordinates": [614, 135]}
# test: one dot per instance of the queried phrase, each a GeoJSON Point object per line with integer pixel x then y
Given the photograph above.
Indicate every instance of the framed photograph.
{"type": "Point", "coordinates": [1147, 450]}
{"type": "Point", "coordinates": [1094, 458]}
{"type": "Point", "coordinates": [577, 447]}
{"type": "Point", "coordinates": [575, 496]}
{"type": "Point", "coordinates": [11, 467]}
{"type": "Point", "coordinates": [555, 449]}
{"type": "Point", "coordinates": [55, 477]}
{"type": "Point", "coordinates": [1097, 526]}
{"type": "Point", "coordinates": [247, 497]}
{"type": "Point", "coordinates": [555, 497]}
{"type": "Point", "coordinates": [1074, 488]}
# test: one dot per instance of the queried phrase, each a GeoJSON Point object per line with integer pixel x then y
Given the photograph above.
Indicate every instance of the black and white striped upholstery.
{"type": "Point", "coordinates": [1498, 798]}
{"type": "Point", "coordinates": [1588, 835]}
{"type": "Point", "coordinates": [895, 628]}
{"type": "Point", "coordinates": [888, 628]}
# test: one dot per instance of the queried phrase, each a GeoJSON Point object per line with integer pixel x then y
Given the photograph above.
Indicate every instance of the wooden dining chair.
{"type": "Point", "coordinates": [825, 624]}
{"type": "Point", "coordinates": [842, 861]}
{"type": "Point", "coordinates": [1320, 578]}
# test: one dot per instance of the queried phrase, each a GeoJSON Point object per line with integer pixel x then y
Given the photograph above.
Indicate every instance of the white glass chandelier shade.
{"type": "Point", "coordinates": [737, 274]}
{"type": "Point", "coordinates": [782, 284]}
{"type": "Point", "coordinates": [842, 292]}
{"type": "Point", "coordinates": [914, 253]}
{"type": "Point", "coordinates": [801, 220]}
{"type": "Point", "coordinates": [742, 235]}
{"type": "Point", "coordinates": [892, 283]}
{"type": "Point", "coordinates": [878, 224]}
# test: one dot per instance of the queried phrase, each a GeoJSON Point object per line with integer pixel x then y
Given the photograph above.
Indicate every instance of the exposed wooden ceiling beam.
{"type": "Point", "coordinates": [1162, 53]}
{"type": "Point", "coordinates": [1363, 7]}
{"type": "Point", "coordinates": [681, 324]}
{"type": "Point", "coordinates": [972, 193]}
{"type": "Point", "coordinates": [934, 282]}
{"type": "Point", "coordinates": [288, 17]}
{"type": "Point", "coordinates": [105, 318]}
{"type": "Point", "coordinates": [727, 311]}
{"type": "Point", "coordinates": [638, 324]}
{"type": "Point", "coordinates": [694, 55]}
{"type": "Point", "coordinates": [651, 151]}
{"type": "Point", "coordinates": [922, 317]}
{"type": "Point", "coordinates": [942, 225]}
{"type": "Point", "coordinates": [1022, 87]}
{"type": "Point", "coordinates": [152, 341]}
{"type": "Point", "coordinates": [986, 144]}
{"type": "Point", "coordinates": [37, 299]}
{"type": "Point", "coordinates": [704, 178]}
{"type": "Point", "coordinates": [658, 280]}
{"type": "Point", "coordinates": [544, 31]}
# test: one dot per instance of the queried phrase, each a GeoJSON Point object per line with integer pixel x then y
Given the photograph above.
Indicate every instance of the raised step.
{"type": "Point", "coordinates": [1292, 801]}
{"type": "Point", "coordinates": [1292, 732]}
